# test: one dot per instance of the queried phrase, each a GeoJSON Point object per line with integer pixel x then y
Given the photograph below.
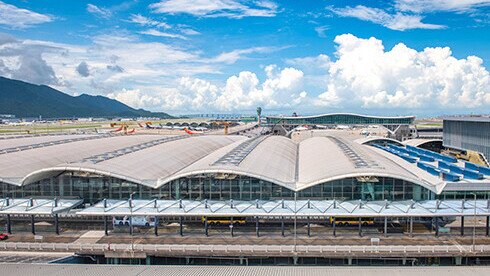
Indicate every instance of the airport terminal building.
{"type": "Point", "coordinates": [94, 167]}
{"type": "Point", "coordinates": [340, 119]}
{"type": "Point", "coordinates": [398, 127]}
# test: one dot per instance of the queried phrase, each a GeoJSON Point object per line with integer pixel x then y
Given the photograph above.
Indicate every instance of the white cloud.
{"type": "Point", "coordinates": [20, 60]}
{"type": "Point", "coordinates": [188, 94]}
{"type": "Point", "coordinates": [319, 63]}
{"type": "Point", "coordinates": [315, 68]}
{"type": "Point", "coordinates": [111, 58]}
{"type": "Point", "coordinates": [281, 89]}
{"type": "Point", "coordinates": [439, 5]}
{"type": "Point", "coordinates": [362, 74]}
{"type": "Point", "coordinates": [217, 8]}
{"type": "Point", "coordinates": [155, 32]}
{"type": "Point", "coordinates": [135, 98]}
{"type": "Point", "coordinates": [199, 93]}
{"type": "Point", "coordinates": [15, 17]}
{"type": "Point", "coordinates": [145, 21]}
{"type": "Point", "coordinates": [189, 31]}
{"type": "Point", "coordinates": [320, 30]}
{"type": "Point", "coordinates": [98, 11]}
{"type": "Point", "coordinates": [366, 75]}
{"type": "Point", "coordinates": [397, 21]}
{"type": "Point", "coordinates": [160, 75]}
{"type": "Point", "coordinates": [243, 92]}
{"type": "Point", "coordinates": [156, 25]}
{"type": "Point", "coordinates": [232, 56]}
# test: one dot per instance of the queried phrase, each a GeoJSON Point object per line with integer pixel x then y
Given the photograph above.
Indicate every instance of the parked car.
{"type": "Point", "coordinates": [3, 236]}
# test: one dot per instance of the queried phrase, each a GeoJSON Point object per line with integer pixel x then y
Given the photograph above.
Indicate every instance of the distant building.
{"type": "Point", "coordinates": [398, 127]}
{"type": "Point", "coordinates": [468, 133]}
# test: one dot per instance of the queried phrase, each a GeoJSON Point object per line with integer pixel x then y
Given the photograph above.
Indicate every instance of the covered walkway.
{"type": "Point", "coordinates": [35, 207]}
{"type": "Point", "coordinates": [355, 211]}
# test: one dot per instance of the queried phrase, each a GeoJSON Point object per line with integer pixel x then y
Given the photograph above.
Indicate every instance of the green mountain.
{"type": "Point", "coordinates": [29, 100]}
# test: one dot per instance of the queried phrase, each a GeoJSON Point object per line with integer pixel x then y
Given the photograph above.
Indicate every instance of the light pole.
{"type": "Point", "coordinates": [295, 217]}
{"type": "Point", "coordinates": [131, 220]}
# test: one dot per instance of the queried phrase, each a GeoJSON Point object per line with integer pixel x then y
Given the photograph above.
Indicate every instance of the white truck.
{"type": "Point", "coordinates": [135, 221]}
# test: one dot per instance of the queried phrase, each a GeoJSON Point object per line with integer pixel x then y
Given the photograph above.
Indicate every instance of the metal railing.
{"type": "Point", "coordinates": [250, 249]}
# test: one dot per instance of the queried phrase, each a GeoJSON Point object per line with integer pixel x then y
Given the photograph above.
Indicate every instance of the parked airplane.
{"type": "Point", "coordinates": [188, 131]}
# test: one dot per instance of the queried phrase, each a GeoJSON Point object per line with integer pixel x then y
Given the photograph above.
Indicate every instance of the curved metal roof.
{"type": "Point", "coordinates": [417, 142]}
{"type": "Point", "coordinates": [348, 114]}
{"type": "Point", "coordinates": [154, 160]}
{"type": "Point", "coordinates": [148, 165]}
{"type": "Point", "coordinates": [368, 139]}
{"type": "Point", "coordinates": [14, 166]}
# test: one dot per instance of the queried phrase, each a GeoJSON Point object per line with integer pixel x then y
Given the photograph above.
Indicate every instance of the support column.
{"type": "Point", "coordinates": [56, 218]}
{"type": "Point", "coordinates": [206, 226]}
{"type": "Point", "coordinates": [386, 227]}
{"type": "Point", "coordinates": [309, 227]}
{"type": "Point", "coordinates": [257, 226]}
{"type": "Point", "coordinates": [334, 226]}
{"type": "Point", "coordinates": [411, 226]}
{"type": "Point", "coordinates": [462, 226]}
{"type": "Point", "coordinates": [282, 226]}
{"type": "Point", "coordinates": [156, 226]}
{"type": "Point", "coordinates": [33, 227]}
{"type": "Point", "coordinates": [360, 227]}
{"type": "Point", "coordinates": [231, 226]}
{"type": "Point", "coordinates": [437, 227]}
{"type": "Point", "coordinates": [9, 225]}
{"type": "Point", "coordinates": [106, 226]}
{"type": "Point", "coordinates": [56, 224]}
{"type": "Point", "coordinates": [457, 260]}
{"type": "Point", "coordinates": [106, 223]}
{"type": "Point", "coordinates": [487, 226]}
{"type": "Point", "coordinates": [9, 222]}
{"type": "Point", "coordinates": [181, 227]}
{"type": "Point", "coordinates": [131, 226]}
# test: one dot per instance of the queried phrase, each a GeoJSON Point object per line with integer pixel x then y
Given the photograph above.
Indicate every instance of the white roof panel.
{"type": "Point", "coordinates": [290, 208]}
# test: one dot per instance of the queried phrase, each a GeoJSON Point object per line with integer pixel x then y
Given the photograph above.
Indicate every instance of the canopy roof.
{"type": "Point", "coordinates": [289, 208]}
{"type": "Point", "coordinates": [29, 206]}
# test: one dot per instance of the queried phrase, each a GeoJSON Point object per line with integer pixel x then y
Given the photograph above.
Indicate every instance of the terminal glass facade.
{"type": "Point", "coordinates": [93, 188]}
{"type": "Point", "coordinates": [341, 119]}
{"type": "Point", "coordinates": [468, 134]}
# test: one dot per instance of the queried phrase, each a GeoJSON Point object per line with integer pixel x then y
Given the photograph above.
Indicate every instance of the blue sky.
{"type": "Point", "coordinates": [423, 57]}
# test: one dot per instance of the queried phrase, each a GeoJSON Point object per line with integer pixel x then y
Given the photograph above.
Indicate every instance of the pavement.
{"type": "Point", "coordinates": [90, 237]}
{"type": "Point", "coordinates": [224, 237]}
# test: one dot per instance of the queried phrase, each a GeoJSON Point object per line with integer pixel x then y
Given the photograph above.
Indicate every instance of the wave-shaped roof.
{"type": "Point", "coordinates": [154, 160]}
{"type": "Point", "coordinates": [346, 114]}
